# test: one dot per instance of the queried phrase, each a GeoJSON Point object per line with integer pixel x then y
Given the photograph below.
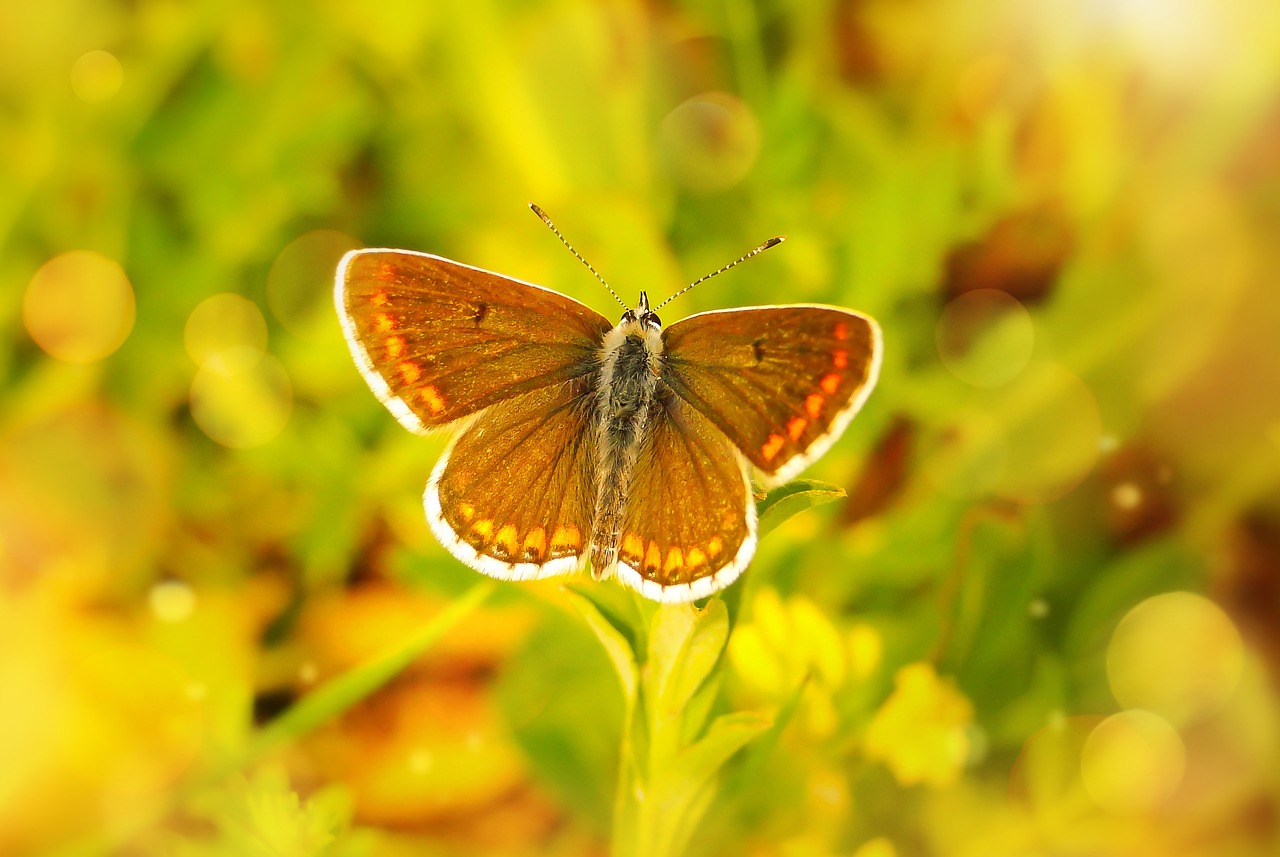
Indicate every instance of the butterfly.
{"type": "Point", "coordinates": [630, 446]}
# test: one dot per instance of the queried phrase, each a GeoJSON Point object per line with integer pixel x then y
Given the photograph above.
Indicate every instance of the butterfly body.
{"type": "Point", "coordinates": [630, 446]}
{"type": "Point", "coordinates": [629, 381]}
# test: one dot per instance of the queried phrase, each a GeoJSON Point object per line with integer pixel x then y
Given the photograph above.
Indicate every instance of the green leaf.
{"type": "Point", "coordinates": [616, 645]}
{"type": "Point", "coordinates": [697, 765]}
{"type": "Point", "coordinates": [780, 504]}
{"type": "Point", "coordinates": [685, 644]}
{"type": "Point", "coordinates": [623, 608]}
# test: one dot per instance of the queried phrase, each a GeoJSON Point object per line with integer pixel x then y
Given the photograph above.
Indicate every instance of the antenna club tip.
{"type": "Point", "coordinates": [775, 241]}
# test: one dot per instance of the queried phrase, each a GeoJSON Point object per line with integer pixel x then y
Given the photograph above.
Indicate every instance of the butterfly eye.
{"type": "Point", "coordinates": [628, 316]}
{"type": "Point", "coordinates": [650, 319]}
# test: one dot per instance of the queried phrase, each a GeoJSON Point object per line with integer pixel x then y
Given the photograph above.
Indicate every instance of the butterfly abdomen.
{"type": "Point", "coordinates": [630, 363]}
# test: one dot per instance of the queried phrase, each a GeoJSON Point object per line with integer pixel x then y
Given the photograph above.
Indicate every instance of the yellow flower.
{"type": "Point", "coordinates": [788, 641]}
{"type": "Point", "coordinates": [920, 732]}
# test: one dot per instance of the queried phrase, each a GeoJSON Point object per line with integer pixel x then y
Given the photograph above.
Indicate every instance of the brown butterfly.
{"type": "Point", "coordinates": [628, 445]}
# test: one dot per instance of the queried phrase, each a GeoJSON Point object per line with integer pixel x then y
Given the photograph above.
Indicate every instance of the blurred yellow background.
{"type": "Point", "coordinates": [1046, 620]}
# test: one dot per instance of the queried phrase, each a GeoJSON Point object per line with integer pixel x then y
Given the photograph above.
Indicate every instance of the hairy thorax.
{"type": "Point", "coordinates": [631, 365]}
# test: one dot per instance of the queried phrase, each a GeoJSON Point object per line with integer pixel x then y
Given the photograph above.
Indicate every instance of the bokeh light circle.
{"type": "Point", "coordinates": [985, 337]}
{"type": "Point", "coordinates": [96, 77]}
{"type": "Point", "coordinates": [1132, 762]}
{"type": "Point", "coordinates": [171, 601]}
{"type": "Point", "coordinates": [242, 407]}
{"type": "Point", "coordinates": [83, 500]}
{"type": "Point", "coordinates": [1176, 654]}
{"type": "Point", "coordinates": [709, 142]}
{"type": "Point", "coordinates": [79, 307]}
{"type": "Point", "coordinates": [967, 459]}
{"type": "Point", "coordinates": [300, 284]}
{"type": "Point", "coordinates": [226, 332]}
{"type": "Point", "coordinates": [1053, 428]}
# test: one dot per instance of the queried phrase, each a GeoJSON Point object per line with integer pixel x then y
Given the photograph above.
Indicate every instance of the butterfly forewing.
{"type": "Point", "coordinates": [781, 382]}
{"type": "Point", "coordinates": [512, 497]}
{"type": "Point", "coordinates": [438, 340]}
{"type": "Point", "coordinates": [690, 524]}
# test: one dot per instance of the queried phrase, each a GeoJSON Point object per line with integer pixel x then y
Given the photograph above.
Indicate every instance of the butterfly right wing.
{"type": "Point", "coordinates": [514, 493]}
{"type": "Point", "coordinates": [438, 341]}
{"type": "Point", "coordinates": [781, 382]}
{"type": "Point", "coordinates": [690, 524]}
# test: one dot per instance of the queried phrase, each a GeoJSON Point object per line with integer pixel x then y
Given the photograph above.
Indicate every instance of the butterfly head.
{"type": "Point", "coordinates": [646, 318]}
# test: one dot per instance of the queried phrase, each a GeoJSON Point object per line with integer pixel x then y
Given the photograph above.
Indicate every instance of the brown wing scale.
{"type": "Point", "coordinates": [690, 524]}
{"type": "Point", "coordinates": [512, 496]}
{"type": "Point", "coordinates": [438, 341]}
{"type": "Point", "coordinates": [781, 382]}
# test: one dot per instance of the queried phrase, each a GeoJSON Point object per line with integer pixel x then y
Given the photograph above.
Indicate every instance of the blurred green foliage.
{"type": "Point", "coordinates": [1064, 216]}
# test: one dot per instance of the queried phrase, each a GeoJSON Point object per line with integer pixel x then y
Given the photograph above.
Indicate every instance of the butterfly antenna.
{"type": "Point", "coordinates": [772, 242]}
{"type": "Point", "coordinates": [547, 220]}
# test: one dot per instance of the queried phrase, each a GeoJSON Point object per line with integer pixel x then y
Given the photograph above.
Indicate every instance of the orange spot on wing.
{"type": "Point", "coordinates": [795, 427]}
{"type": "Point", "coordinates": [565, 540]}
{"type": "Point", "coordinates": [714, 547]}
{"type": "Point", "coordinates": [813, 405]}
{"type": "Point", "coordinates": [772, 446]}
{"type": "Point", "coordinates": [466, 511]}
{"type": "Point", "coordinates": [382, 322]}
{"type": "Point", "coordinates": [695, 559]}
{"type": "Point", "coordinates": [395, 347]}
{"type": "Point", "coordinates": [675, 561]}
{"type": "Point", "coordinates": [386, 271]}
{"type": "Point", "coordinates": [432, 398]}
{"type": "Point", "coordinates": [410, 371]}
{"type": "Point", "coordinates": [506, 540]}
{"type": "Point", "coordinates": [632, 548]}
{"type": "Point", "coordinates": [483, 529]}
{"type": "Point", "coordinates": [653, 557]}
{"type": "Point", "coordinates": [840, 359]}
{"type": "Point", "coordinates": [379, 297]}
{"type": "Point", "coordinates": [535, 544]}
{"type": "Point", "coordinates": [830, 383]}
{"type": "Point", "coordinates": [841, 330]}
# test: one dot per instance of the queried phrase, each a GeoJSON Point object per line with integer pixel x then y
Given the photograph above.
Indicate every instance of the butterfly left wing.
{"type": "Point", "coordinates": [513, 494]}
{"type": "Point", "coordinates": [781, 382]}
{"type": "Point", "coordinates": [690, 524]}
{"type": "Point", "coordinates": [438, 340]}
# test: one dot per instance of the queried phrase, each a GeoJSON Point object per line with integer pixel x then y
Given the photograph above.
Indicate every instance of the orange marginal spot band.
{"type": "Point", "coordinates": [395, 347]}
{"type": "Point", "coordinates": [772, 446]}
{"type": "Point", "coordinates": [431, 396]}
{"type": "Point", "coordinates": [379, 297]}
{"type": "Point", "coordinates": [813, 405]}
{"type": "Point", "coordinates": [466, 511]}
{"type": "Point", "coordinates": [633, 547]}
{"type": "Point", "coordinates": [714, 547]}
{"type": "Point", "coordinates": [830, 383]}
{"type": "Point", "coordinates": [695, 559]}
{"type": "Point", "coordinates": [410, 371]}
{"type": "Point", "coordinates": [796, 426]}
{"type": "Point", "coordinates": [565, 540]}
{"type": "Point", "coordinates": [483, 529]}
{"type": "Point", "coordinates": [535, 544]}
{"type": "Point", "coordinates": [840, 359]}
{"type": "Point", "coordinates": [383, 322]}
{"type": "Point", "coordinates": [506, 540]}
{"type": "Point", "coordinates": [842, 330]}
{"type": "Point", "coordinates": [653, 557]}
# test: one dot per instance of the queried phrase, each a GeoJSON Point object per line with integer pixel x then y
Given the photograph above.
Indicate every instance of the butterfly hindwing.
{"type": "Point", "coordinates": [438, 340]}
{"type": "Point", "coordinates": [513, 495]}
{"type": "Point", "coordinates": [690, 524]}
{"type": "Point", "coordinates": [781, 382]}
